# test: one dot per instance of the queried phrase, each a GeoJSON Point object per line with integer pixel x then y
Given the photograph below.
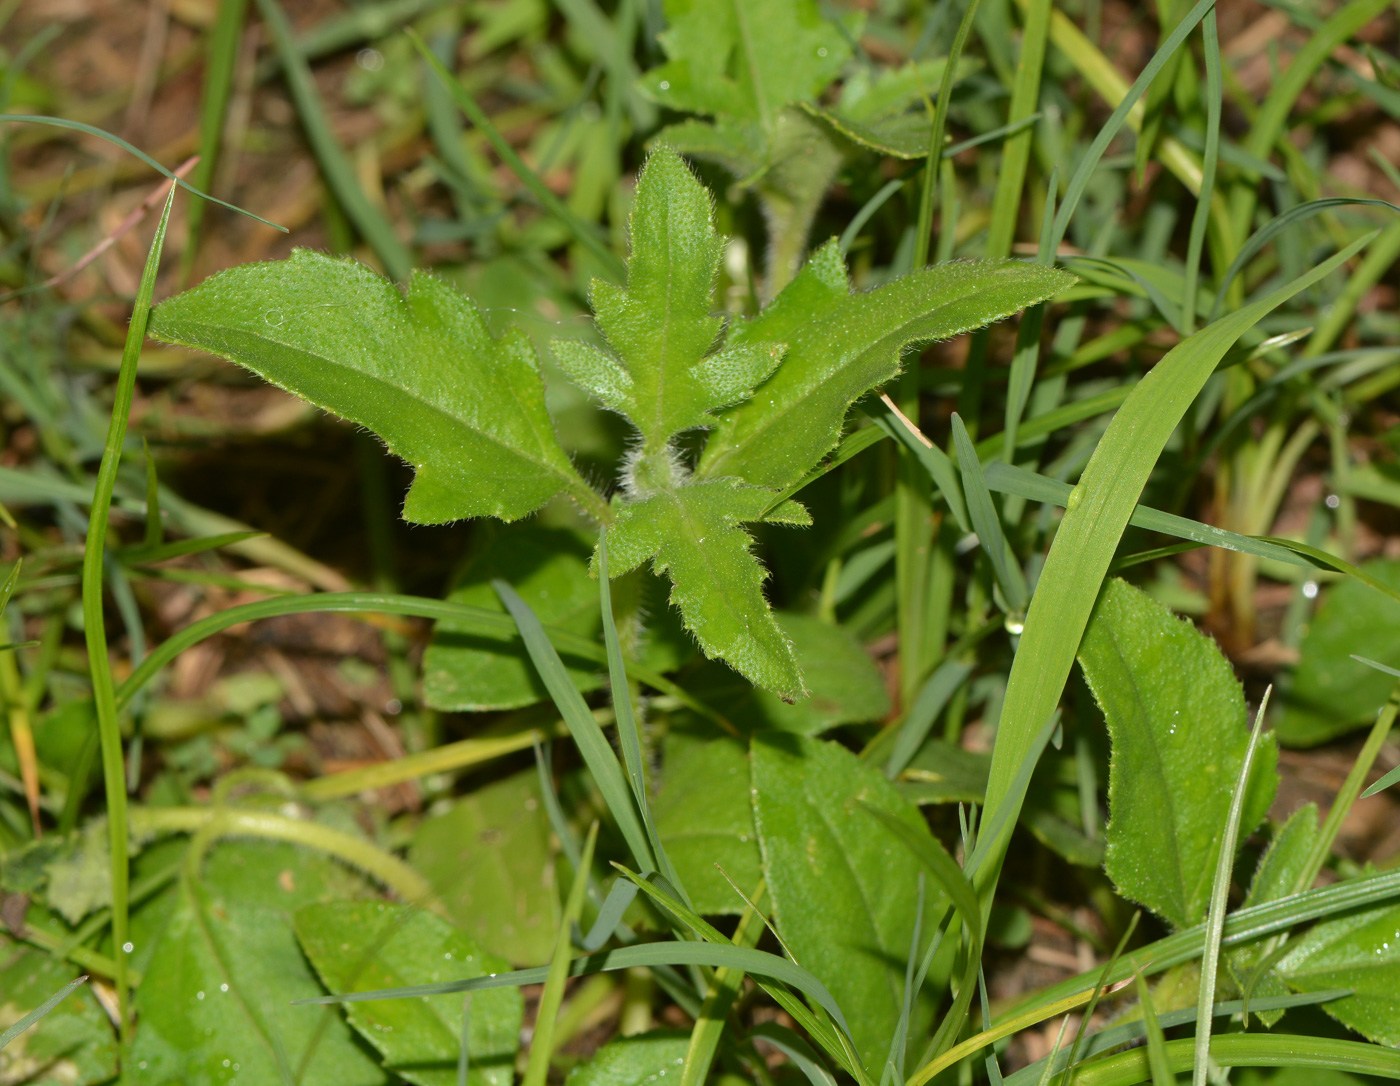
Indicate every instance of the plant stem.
{"type": "Point", "coordinates": [94, 627]}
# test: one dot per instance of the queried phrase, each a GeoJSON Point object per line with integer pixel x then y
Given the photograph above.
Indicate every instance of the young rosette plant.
{"type": "Point", "coordinates": [467, 408]}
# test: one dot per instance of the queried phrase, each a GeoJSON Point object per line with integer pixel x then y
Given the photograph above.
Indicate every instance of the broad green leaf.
{"type": "Point", "coordinates": [841, 345]}
{"type": "Point", "coordinates": [1360, 951]}
{"type": "Point", "coordinates": [643, 1060]}
{"type": "Point", "coordinates": [745, 60]}
{"type": "Point", "coordinates": [1176, 718]}
{"type": "Point", "coordinates": [213, 1007]}
{"type": "Point", "coordinates": [660, 324]}
{"type": "Point", "coordinates": [1331, 694]}
{"type": "Point", "coordinates": [692, 534]}
{"type": "Point", "coordinates": [465, 408]}
{"type": "Point", "coordinates": [358, 945]}
{"type": "Point", "coordinates": [467, 669]}
{"type": "Point", "coordinates": [704, 817]}
{"type": "Point", "coordinates": [489, 862]}
{"type": "Point", "coordinates": [72, 1045]}
{"type": "Point", "coordinates": [821, 845]}
{"type": "Point", "coordinates": [845, 685]}
{"type": "Point", "coordinates": [1283, 862]}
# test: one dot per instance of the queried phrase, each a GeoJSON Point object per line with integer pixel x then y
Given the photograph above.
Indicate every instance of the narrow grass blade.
{"type": "Point", "coordinates": [339, 173]}
{"type": "Point", "coordinates": [161, 552]}
{"type": "Point", "coordinates": [933, 459]}
{"type": "Point", "coordinates": [463, 1051]}
{"type": "Point", "coordinates": [924, 229]}
{"type": "Point", "coordinates": [1157, 1061]}
{"type": "Point", "coordinates": [1219, 901]}
{"type": "Point", "coordinates": [583, 232]}
{"type": "Point", "coordinates": [1088, 536]}
{"type": "Point", "coordinates": [1129, 1032]}
{"type": "Point", "coordinates": [542, 1043]}
{"type": "Point", "coordinates": [1099, 989]}
{"type": "Point", "coordinates": [986, 521]}
{"type": "Point", "coordinates": [1275, 226]}
{"type": "Point", "coordinates": [39, 1012]}
{"type": "Point", "coordinates": [215, 92]}
{"type": "Point", "coordinates": [1347, 794]}
{"type": "Point", "coordinates": [592, 743]}
{"type": "Point", "coordinates": [1200, 218]}
{"type": "Point", "coordinates": [1011, 479]}
{"type": "Point", "coordinates": [1079, 181]}
{"type": "Point", "coordinates": [938, 688]}
{"type": "Point", "coordinates": [866, 212]}
{"type": "Point", "coordinates": [368, 603]}
{"type": "Point", "coordinates": [78, 126]}
{"type": "Point", "coordinates": [797, 1050]}
{"type": "Point", "coordinates": [94, 621]}
{"type": "Point", "coordinates": [1251, 1050]}
{"type": "Point", "coordinates": [629, 737]}
{"type": "Point", "coordinates": [1015, 155]}
{"type": "Point", "coordinates": [719, 1001]}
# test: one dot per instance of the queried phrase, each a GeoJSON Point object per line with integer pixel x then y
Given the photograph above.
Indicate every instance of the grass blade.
{"type": "Point", "coordinates": [986, 521]}
{"type": "Point", "coordinates": [934, 460]}
{"type": "Point", "coordinates": [94, 621]}
{"type": "Point", "coordinates": [39, 1012]}
{"type": "Point", "coordinates": [131, 149]}
{"type": "Point", "coordinates": [219, 64]}
{"type": "Point", "coordinates": [542, 1044]}
{"type": "Point", "coordinates": [1200, 218]}
{"type": "Point", "coordinates": [339, 174]}
{"type": "Point", "coordinates": [1099, 989]}
{"type": "Point", "coordinates": [797, 1050]}
{"type": "Point", "coordinates": [1088, 536]}
{"type": "Point", "coordinates": [1016, 152]}
{"type": "Point", "coordinates": [583, 232]}
{"type": "Point", "coordinates": [591, 742]}
{"type": "Point", "coordinates": [1219, 902]}
{"type": "Point", "coordinates": [629, 738]}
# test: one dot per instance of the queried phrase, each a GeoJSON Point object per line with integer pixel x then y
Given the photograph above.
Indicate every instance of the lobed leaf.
{"type": "Point", "coordinates": [692, 534]}
{"type": "Point", "coordinates": [465, 408]}
{"type": "Point", "coordinates": [660, 324]}
{"type": "Point", "coordinates": [840, 345]}
{"type": "Point", "coordinates": [1176, 717]}
{"type": "Point", "coordinates": [745, 60]}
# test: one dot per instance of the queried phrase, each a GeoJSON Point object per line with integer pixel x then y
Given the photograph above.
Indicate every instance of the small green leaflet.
{"type": "Point", "coordinates": [692, 534]}
{"type": "Point", "coordinates": [840, 345]}
{"type": "Point", "coordinates": [356, 945]}
{"type": "Point", "coordinates": [745, 60]}
{"type": "Point", "coordinates": [423, 372]}
{"type": "Point", "coordinates": [660, 325]}
{"type": "Point", "coordinates": [1176, 718]}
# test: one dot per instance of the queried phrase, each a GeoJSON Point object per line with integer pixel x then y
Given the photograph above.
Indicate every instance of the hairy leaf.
{"type": "Point", "coordinates": [634, 1061]}
{"type": "Point", "coordinates": [1176, 718]}
{"type": "Point", "coordinates": [841, 345]}
{"type": "Point", "coordinates": [704, 817]}
{"type": "Point", "coordinates": [660, 324]}
{"type": "Point", "coordinates": [359, 945]}
{"type": "Point", "coordinates": [488, 860]}
{"type": "Point", "coordinates": [1332, 694]}
{"type": "Point", "coordinates": [692, 534]}
{"type": "Point", "coordinates": [821, 845]}
{"type": "Point", "coordinates": [422, 371]}
{"type": "Point", "coordinates": [745, 60]}
{"type": "Point", "coordinates": [845, 685]}
{"type": "Point", "coordinates": [214, 1004]}
{"type": "Point", "coordinates": [1360, 951]}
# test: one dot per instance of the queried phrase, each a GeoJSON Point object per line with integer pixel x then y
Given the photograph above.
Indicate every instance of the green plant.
{"type": "Point", "coordinates": [944, 710]}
